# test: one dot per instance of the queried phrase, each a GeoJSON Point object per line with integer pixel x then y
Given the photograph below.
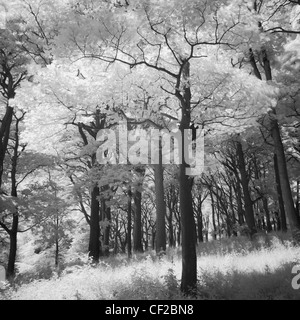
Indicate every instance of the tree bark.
{"type": "Point", "coordinates": [160, 205]}
{"type": "Point", "coordinates": [10, 272]}
{"type": "Point", "coordinates": [283, 226]}
{"type": "Point", "coordinates": [249, 214]}
{"type": "Point", "coordinates": [200, 225]}
{"type": "Point", "coordinates": [137, 226]}
{"type": "Point", "coordinates": [106, 234]}
{"type": "Point", "coordinates": [189, 258]}
{"type": "Point", "coordinates": [129, 221]}
{"type": "Point", "coordinates": [267, 212]}
{"type": "Point", "coordinates": [284, 181]}
{"type": "Point", "coordinates": [213, 215]}
{"type": "Point", "coordinates": [298, 201]}
{"type": "Point", "coordinates": [4, 137]}
{"type": "Point", "coordinates": [13, 232]}
{"type": "Point", "coordinates": [94, 241]}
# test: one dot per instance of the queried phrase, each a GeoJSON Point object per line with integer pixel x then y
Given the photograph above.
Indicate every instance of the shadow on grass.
{"type": "Point", "coordinates": [236, 285]}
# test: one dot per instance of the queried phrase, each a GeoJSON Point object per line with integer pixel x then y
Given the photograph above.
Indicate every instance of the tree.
{"type": "Point", "coordinates": [264, 52]}
{"type": "Point", "coordinates": [13, 71]}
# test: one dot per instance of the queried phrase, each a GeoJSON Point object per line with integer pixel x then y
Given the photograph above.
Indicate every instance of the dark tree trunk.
{"type": "Point", "coordinates": [189, 267]}
{"type": "Point", "coordinates": [200, 225]}
{"type": "Point", "coordinates": [10, 272]}
{"type": "Point", "coordinates": [13, 233]}
{"type": "Point", "coordinates": [298, 201]}
{"type": "Point", "coordinates": [284, 181]}
{"type": "Point", "coordinates": [106, 234]}
{"type": "Point", "coordinates": [239, 202]}
{"type": "Point", "coordinates": [160, 205]}
{"type": "Point", "coordinates": [4, 136]}
{"type": "Point", "coordinates": [94, 242]}
{"type": "Point", "coordinates": [189, 258]}
{"type": "Point", "coordinates": [171, 230]}
{"type": "Point", "coordinates": [179, 235]}
{"type": "Point", "coordinates": [283, 225]}
{"type": "Point", "coordinates": [129, 244]}
{"type": "Point", "coordinates": [249, 214]}
{"type": "Point", "coordinates": [137, 227]}
{"type": "Point", "coordinates": [213, 215]}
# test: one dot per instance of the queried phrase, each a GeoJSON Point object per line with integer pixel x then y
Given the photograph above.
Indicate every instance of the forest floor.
{"type": "Point", "coordinates": [229, 269]}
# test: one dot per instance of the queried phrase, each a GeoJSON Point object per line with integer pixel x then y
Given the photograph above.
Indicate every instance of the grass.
{"type": "Point", "coordinates": [230, 269]}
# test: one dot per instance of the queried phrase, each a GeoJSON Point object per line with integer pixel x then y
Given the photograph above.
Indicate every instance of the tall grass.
{"type": "Point", "coordinates": [229, 269]}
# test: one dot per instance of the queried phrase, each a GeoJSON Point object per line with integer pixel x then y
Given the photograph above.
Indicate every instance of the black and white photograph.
{"type": "Point", "coordinates": [149, 153]}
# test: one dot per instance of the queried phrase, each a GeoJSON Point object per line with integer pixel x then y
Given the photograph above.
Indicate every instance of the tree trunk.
{"type": "Point", "coordinates": [284, 181]}
{"type": "Point", "coordinates": [56, 238]}
{"type": "Point", "coordinates": [189, 266]}
{"type": "Point", "coordinates": [129, 246]}
{"type": "Point", "coordinates": [283, 225]}
{"type": "Point", "coordinates": [4, 136]}
{"type": "Point", "coordinates": [10, 272]}
{"type": "Point", "coordinates": [213, 215]}
{"type": "Point", "coordinates": [106, 235]}
{"type": "Point", "coordinates": [137, 227]}
{"type": "Point", "coordinates": [200, 225]}
{"type": "Point", "coordinates": [267, 212]}
{"type": "Point", "coordinates": [160, 205]}
{"type": "Point", "coordinates": [249, 214]}
{"type": "Point", "coordinates": [189, 258]}
{"type": "Point", "coordinates": [171, 230]}
{"type": "Point", "coordinates": [13, 233]}
{"type": "Point", "coordinates": [298, 201]}
{"type": "Point", "coordinates": [239, 202]}
{"type": "Point", "coordinates": [94, 242]}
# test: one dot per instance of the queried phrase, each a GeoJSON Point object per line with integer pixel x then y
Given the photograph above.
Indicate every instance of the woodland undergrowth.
{"type": "Point", "coordinates": [230, 269]}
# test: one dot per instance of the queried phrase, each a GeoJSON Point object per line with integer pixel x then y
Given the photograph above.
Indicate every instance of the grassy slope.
{"type": "Point", "coordinates": [231, 269]}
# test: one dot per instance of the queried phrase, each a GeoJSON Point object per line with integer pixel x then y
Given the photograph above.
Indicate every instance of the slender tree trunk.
{"type": "Point", "coordinates": [249, 214]}
{"type": "Point", "coordinates": [116, 236]}
{"type": "Point", "coordinates": [200, 225]}
{"type": "Point", "coordinates": [106, 235]}
{"type": "Point", "coordinates": [239, 201]}
{"type": "Point", "coordinates": [137, 227]}
{"type": "Point", "coordinates": [233, 224]}
{"type": "Point", "coordinates": [13, 233]}
{"type": "Point", "coordinates": [171, 229]}
{"type": "Point", "coordinates": [283, 225]}
{"type": "Point", "coordinates": [56, 237]}
{"type": "Point", "coordinates": [298, 201]}
{"type": "Point", "coordinates": [129, 244]}
{"type": "Point", "coordinates": [218, 216]}
{"type": "Point", "coordinates": [213, 215]}
{"type": "Point", "coordinates": [160, 205]}
{"type": "Point", "coordinates": [267, 212]}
